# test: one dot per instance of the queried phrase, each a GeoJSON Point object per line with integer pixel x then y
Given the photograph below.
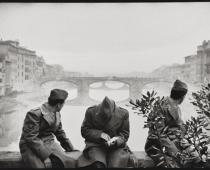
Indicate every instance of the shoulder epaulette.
{"type": "Point", "coordinates": [91, 107]}
{"type": "Point", "coordinates": [35, 109]}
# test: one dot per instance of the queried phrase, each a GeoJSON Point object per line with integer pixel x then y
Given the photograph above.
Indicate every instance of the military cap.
{"type": "Point", "coordinates": [108, 103]}
{"type": "Point", "coordinates": [58, 94]}
{"type": "Point", "coordinates": [179, 86]}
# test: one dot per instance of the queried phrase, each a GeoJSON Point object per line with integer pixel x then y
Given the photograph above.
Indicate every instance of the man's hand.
{"type": "Point", "coordinates": [74, 150]}
{"type": "Point", "coordinates": [112, 141]}
{"type": "Point", "coordinates": [48, 163]}
{"type": "Point", "coordinates": [105, 136]}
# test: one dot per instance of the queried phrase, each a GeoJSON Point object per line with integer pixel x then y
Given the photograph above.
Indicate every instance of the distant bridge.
{"type": "Point", "coordinates": [135, 85]}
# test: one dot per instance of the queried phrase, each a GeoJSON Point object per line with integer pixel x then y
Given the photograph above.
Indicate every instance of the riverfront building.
{"type": "Point", "coordinates": [16, 66]}
{"type": "Point", "coordinates": [195, 70]}
{"type": "Point", "coordinates": [20, 67]}
{"type": "Point", "coordinates": [203, 53]}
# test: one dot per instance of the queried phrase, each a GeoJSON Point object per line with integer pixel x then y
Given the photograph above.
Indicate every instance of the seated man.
{"type": "Point", "coordinates": [173, 119]}
{"type": "Point", "coordinates": [106, 131]}
{"type": "Point", "coordinates": [37, 145]}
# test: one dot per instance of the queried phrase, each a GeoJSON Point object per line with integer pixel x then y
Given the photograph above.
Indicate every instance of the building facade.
{"type": "Point", "coordinates": [19, 67]}
{"type": "Point", "coordinates": [171, 73]}
{"type": "Point", "coordinates": [203, 53]}
{"type": "Point", "coordinates": [195, 69]}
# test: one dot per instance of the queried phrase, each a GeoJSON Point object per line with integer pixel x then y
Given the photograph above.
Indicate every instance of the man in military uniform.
{"type": "Point", "coordinates": [37, 145]}
{"type": "Point", "coordinates": [106, 131]}
{"type": "Point", "coordinates": [173, 119]}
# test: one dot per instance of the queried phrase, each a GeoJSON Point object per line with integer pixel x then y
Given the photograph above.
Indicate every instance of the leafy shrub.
{"type": "Point", "coordinates": [192, 142]}
{"type": "Point", "coordinates": [201, 100]}
{"type": "Point", "coordinates": [149, 106]}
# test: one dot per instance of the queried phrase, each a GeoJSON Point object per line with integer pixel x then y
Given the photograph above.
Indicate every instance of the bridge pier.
{"type": "Point", "coordinates": [83, 93]}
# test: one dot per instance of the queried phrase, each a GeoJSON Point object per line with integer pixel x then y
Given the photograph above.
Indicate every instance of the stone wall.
{"type": "Point", "coordinates": [14, 160]}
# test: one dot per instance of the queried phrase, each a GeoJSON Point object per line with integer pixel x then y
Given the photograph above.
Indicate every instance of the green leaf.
{"type": "Point", "coordinates": [161, 158]}
{"type": "Point", "coordinates": [152, 93]}
{"type": "Point", "coordinates": [155, 155]}
{"type": "Point", "coordinates": [155, 148]}
{"type": "Point", "coordinates": [148, 94]}
{"type": "Point", "coordinates": [162, 162]}
{"type": "Point", "coordinates": [163, 136]}
{"type": "Point", "coordinates": [153, 136]}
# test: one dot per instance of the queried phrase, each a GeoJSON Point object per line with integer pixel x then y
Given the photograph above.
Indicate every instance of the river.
{"type": "Point", "coordinates": [72, 115]}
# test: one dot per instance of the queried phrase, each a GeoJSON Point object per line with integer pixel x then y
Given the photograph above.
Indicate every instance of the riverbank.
{"type": "Point", "coordinates": [9, 106]}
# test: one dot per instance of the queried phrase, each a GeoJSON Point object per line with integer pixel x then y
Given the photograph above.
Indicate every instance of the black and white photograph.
{"type": "Point", "coordinates": [105, 85]}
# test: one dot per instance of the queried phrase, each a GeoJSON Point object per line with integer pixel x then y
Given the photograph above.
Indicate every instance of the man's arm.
{"type": "Point", "coordinates": [124, 132]}
{"type": "Point", "coordinates": [89, 132]}
{"type": "Point", "coordinates": [64, 141]}
{"type": "Point", "coordinates": [165, 140]}
{"type": "Point", "coordinates": [31, 132]}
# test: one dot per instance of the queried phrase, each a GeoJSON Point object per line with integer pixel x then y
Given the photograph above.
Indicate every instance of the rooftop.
{"type": "Point", "coordinates": [14, 44]}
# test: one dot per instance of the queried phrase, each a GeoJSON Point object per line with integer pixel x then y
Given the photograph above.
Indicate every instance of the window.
{"type": "Point", "coordinates": [26, 77]}
{"type": "Point", "coordinates": [27, 62]}
{"type": "Point", "coordinates": [208, 69]}
{"type": "Point", "coordinates": [27, 70]}
{"type": "Point", "coordinates": [0, 80]}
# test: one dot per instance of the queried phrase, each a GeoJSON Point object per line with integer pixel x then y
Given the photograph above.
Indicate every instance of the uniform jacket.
{"type": "Point", "coordinates": [173, 120]}
{"type": "Point", "coordinates": [37, 139]}
{"type": "Point", "coordinates": [95, 123]}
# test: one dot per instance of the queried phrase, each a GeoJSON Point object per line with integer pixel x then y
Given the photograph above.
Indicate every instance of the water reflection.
{"type": "Point", "coordinates": [96, 85]}
{"type": "Point", "coordinates": [114, 84]}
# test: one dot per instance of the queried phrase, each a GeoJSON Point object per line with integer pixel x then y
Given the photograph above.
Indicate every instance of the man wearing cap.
{"type": "Point", "coordinates": [37, 145]}
{"type": "Point", "coordinates": [173, 119]}
{"type": "Point", "coordinates": [106, 131]}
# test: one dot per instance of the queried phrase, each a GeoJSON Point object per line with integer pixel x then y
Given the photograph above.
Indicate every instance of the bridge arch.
{"type": "Point", "coordinates": [118, 92]}
{"type": "Point", "coordinates": [70, 86]}
{"type": "Point", "coordinates": [135, 84]}
{"type": "Point", "coordinates": [161, 87]}
{"type": "Point", "coordinates": [105, 81]}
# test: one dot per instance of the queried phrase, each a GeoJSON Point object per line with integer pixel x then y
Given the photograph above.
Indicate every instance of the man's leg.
{"type": "Point", "coordinates": [56, 162]}
{"type": "Point", "coordinates": [96, 165]}
{"type": "Point", "coordinates": [151, 152]}
{"type": "Point", "coordinates": [96, 156]}
{"type": "Point", "coordinates": [31, 160]}
{"type": "Point", "coordinates": [118, 158]}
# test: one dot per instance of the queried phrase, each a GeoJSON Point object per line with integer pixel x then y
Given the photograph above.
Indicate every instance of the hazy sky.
{"type": "Point", "coordinates": [108, 37]}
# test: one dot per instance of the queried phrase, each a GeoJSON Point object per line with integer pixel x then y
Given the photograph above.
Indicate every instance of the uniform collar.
{"type": "Point", "coordinates": [174, 109]}
{"type": "Point", "coordinates": [173, 102]}
{"type": "Point", "coordinates": [45, 110]}
{"type": "Point", "coordinates": [50, 117]}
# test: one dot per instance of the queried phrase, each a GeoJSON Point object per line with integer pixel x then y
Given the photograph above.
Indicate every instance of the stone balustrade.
{"type": "Point", "coordinates": [13, 159]}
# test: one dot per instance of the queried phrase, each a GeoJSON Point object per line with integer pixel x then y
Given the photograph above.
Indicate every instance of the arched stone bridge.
{"type": "Point", "coordinates": [135, 84]}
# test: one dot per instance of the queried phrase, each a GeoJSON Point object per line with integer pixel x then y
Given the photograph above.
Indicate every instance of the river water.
{"type": "Point", "coordinates": [72, 115]}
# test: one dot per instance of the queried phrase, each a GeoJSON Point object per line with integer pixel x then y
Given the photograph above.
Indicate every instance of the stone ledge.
{"type": "Point", "coordinates": [10, 159]}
